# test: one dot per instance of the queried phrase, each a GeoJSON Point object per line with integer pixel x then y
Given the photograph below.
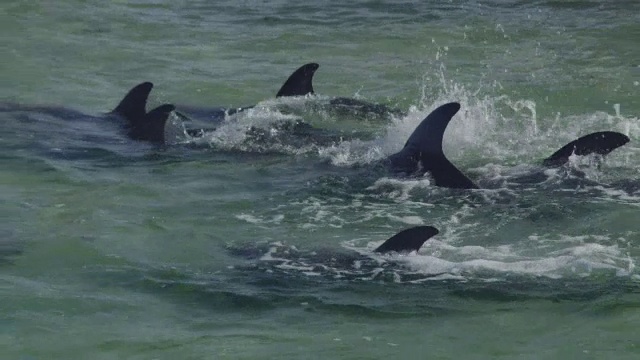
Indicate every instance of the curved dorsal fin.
{"type": "Point", "coordinates": [151, 127]}
{"type": "Point", "coordinates": [408, 240]}
{"type": "Point", "coordinates": [134, 103]}
{"type": "Point", "coordinates": [300, 83]}
{"type": "Point", "coordinates": [602, 142]}
{"type": "Point", "coordinates": [424, 147]}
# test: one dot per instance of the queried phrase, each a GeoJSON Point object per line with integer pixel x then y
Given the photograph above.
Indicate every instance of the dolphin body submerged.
{"type": "Point", "coordinates": [405, 241]}
{"type": "Point", "coordinates": [386, 263]}
{"type": "Point", "coordinates": [130, 114]}
{"type": "Point", "coordinates": [340, 262]}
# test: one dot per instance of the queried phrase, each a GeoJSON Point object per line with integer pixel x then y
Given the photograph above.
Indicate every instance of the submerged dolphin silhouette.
{"type": "Point", "coordinates": [336, 263]}
{"type": "Point", "coordinates": [131, 113]}
{"type": "Point", "coordinates": [405, 241]}
{"type": "Point", "coordinates": [423, 150]}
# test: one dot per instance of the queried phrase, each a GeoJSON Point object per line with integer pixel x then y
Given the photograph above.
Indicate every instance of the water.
{"type": "Point", "coordinates": [114, 249]}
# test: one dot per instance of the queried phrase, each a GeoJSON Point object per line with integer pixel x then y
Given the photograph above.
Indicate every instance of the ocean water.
{"type": "Point", "coordinates": [223, 249]}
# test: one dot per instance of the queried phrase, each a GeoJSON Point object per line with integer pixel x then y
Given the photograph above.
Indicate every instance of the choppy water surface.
{"type": "Point", "coordinates": [227, 248]}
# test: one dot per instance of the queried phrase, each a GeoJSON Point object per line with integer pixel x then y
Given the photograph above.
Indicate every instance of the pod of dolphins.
{"type": "Point", "coordinates": [421, 154]}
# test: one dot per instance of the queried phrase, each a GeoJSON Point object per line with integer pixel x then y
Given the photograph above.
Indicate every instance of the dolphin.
{"type": "Point", "coordinates": [601, 142]}
{"type": "Point", "coordinates": [344, 106]}
{"type": "Point", "coordinates": [130, 113]}
{"type": "Point", "coordinates": [143, 125]}
{"type": "Point", "coordinates": [422, 153]}
{"type": "Point", "coordinates": [404, 242]}
{"type": "Point", "coordinates": [334, 263]}
{"type": "Point", "coordinates": [299, 83]}
{"type": "Point", "coordinates": [407, 240]}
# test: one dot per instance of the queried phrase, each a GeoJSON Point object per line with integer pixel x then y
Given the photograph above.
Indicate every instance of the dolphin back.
{"type": "Point", "coordinates": [602, 143]}
{"type": "Point", "coordinates": [408, 240]}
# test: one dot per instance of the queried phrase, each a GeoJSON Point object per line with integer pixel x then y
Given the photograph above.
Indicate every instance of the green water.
{"type": "Point", "coordinates": [113, 249]}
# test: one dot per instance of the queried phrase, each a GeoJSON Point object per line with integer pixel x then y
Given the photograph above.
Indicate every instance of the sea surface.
{"type": "Point", "coordinates": [223, 248]}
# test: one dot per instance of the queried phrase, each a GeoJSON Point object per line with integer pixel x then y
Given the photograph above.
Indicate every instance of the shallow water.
{"type": "Point", "coordinates": [111, 248]}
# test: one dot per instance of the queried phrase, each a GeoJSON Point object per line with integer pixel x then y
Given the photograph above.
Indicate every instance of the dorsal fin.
{"type": "Point", "coordinates": [300, 83]}
{"type": "Point", "coordinates": [408, 240]}
{"type": "Point", "coordinates": [134, 103]}
{"type": "Point", "coordinates": [151, 127]}
{"type": "Point", "coordinates": [602, 143]}
{"type": "Point", "coordinates": [424, 147]}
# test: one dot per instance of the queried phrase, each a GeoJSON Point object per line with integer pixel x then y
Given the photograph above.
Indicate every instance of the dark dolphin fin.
{"type": "Point", "coordinates": [424, 148]}
{"type": "Point", "coordinates": [133, 104]}
{"type": "Point", "coordinates": [602, 143]}
{"type": "Point", "coordinates": [300, 83]}
{"type": "Point", "coordinates": [155, 121]}
{"type": "Point", "coordinates": [151, 127]}
{"type": "Point", "coordinates": [408, 240]}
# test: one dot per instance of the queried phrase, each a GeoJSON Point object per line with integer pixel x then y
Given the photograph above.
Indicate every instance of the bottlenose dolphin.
{"type": "Point", "coordinates": [602, 143]}
{"type": "Point", "coordinates": [343, 263]}
{"type": "Point", "coordinates": [142, 125]}
{"type": "Point", "coordinates": [331, 259]}
{"type": "Point", "coordinates": [422, 153]}
{"type": "Point", "coordinates": [403, 242]}
{"type": "Point", "coordinates": [344, 106]}
{"type": "Point", "coordinates": [407, 240]}
{"type": "Point", "coordinates": [130, 113]}
{"type": "Point", "coordinates": [299, 83]}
